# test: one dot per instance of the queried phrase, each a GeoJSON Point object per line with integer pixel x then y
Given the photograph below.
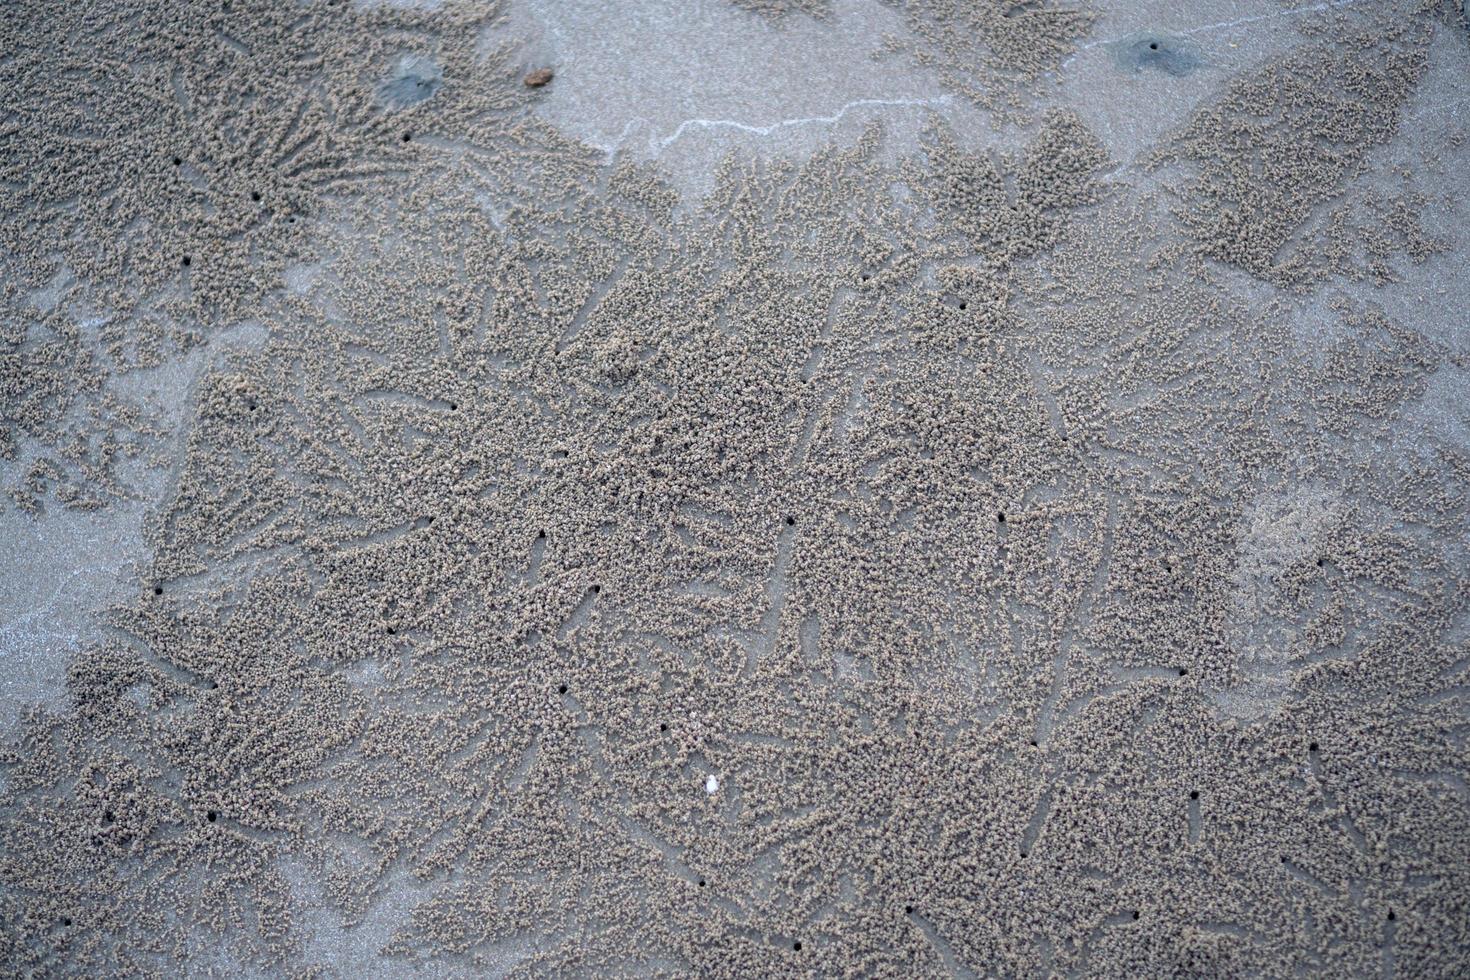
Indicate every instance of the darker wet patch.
{"type": "Point", "coordinates": [413, 80]}
{"type": "Point", "coordinates": [1156, 53]}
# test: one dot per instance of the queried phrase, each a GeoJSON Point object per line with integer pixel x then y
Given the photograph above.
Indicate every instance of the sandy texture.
{"type": "Point", "coordinates": [914, 557]}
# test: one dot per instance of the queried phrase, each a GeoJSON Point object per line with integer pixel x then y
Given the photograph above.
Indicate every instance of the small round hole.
{"type": "Point", "coordinates": [1183, 671]}
{"type": "Point", "coordinates": [255, 195]}
{"type": "Point", "coordinates": [453, 407]}
{"type": "Point", "coordinates": [1313, 747]}
{"type": "Point", "coordinates": [1391, 916]}
{"type": "Point", "coordinates": [391, 631]}
{"type": "Point", "coordinates": [1194, 794]}
{"type": "Point", "coordinates": [178, 161]}
{"type": "Point", "coordinates": [187, 260]}
{"type": "Point", "coordinates": [796, 945]}
{"type": "Point", "coordinates": [1152, 46]}
{"type": "Point", "coordinates": [790, 521]}
{"type": "Point", "coordinates": [66, 920]}
{"type": "Point", "coordinates": [158, 590]}
{"type": "Point", "coordinates": [562, 689]}
{"type": "Point", "coordinates": [963, 304]}
{"type": "Point", "coordinates": [211, 816]}
{"type": "Point", "coordinates": [1135, 915]}
{"type": "Point", "coordinates": [663, 726]}
{"type": "Point", "coordinates": [407, 137]}
{"type": "Point", "coordinates": [1001, 517]}
{"type": "Point", "coordinates": [701, 883]}
{"type": "Point", "coordinates": [908, 910]}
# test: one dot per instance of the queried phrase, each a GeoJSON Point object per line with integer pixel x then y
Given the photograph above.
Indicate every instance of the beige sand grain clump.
{"type": "Point", "coordinates": [871, 570]}
{"type": "Point", "coordinates": [1290, 138]}
{"type": "Point", "coordinates": [986, 51]}
{"type": "Point", "coordinates": [990, 52]}
{"type": "Point", "coordinates": [783, 8]}
{"type": "Point", "coordinates": [173, 164]}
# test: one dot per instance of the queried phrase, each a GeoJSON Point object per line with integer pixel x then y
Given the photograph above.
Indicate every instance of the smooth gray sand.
{"type": "Point", "coordinates": [736, 488]}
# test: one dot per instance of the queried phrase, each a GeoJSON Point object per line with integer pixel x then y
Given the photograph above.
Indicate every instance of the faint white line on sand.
{"type": "Point", "coordinates": [657, 145]}
{"type": "Point", "coordinates": [1224, 25]}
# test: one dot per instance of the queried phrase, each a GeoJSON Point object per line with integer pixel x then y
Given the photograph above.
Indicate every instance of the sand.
{"type": "Point", "coordinates": [749, 488]}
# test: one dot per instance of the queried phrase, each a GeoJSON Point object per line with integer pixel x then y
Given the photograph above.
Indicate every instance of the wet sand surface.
{"type": "Point", "coordinates": [735, 488]}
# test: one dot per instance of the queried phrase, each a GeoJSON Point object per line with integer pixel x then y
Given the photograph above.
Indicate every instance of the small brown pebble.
{"type": "Point", "coordinates": [539, 77]}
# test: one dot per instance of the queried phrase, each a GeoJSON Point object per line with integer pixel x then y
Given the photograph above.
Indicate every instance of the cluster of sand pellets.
{"type": "Point", "coordinates": [941, 567]}
{"type": "Point", "coordinates": [989, 52]}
